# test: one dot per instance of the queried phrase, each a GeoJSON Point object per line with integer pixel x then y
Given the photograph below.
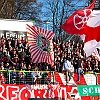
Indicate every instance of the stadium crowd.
{"type": "Point", "coordinates": [16, 58]}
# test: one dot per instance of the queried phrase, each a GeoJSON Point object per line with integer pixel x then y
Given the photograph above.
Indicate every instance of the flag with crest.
{"type": "Point", "coordinates": [85, 22]}
{"type": "Point", "coordinates": [40, 44]}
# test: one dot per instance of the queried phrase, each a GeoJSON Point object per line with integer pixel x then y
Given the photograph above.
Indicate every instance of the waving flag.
{"type": "Point", "coordinates": [77, 21]}
{"type": "Point", "coordinates": [92, 33]}
{"type": "Point", "coordinates": [40, 43]}
{"type": "Point", "coordinates": [85, 22]}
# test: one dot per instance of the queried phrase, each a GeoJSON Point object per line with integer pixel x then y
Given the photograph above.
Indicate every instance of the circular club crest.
{"type": "Point", "coordinates": [43, 43]}
{"type": "Point", "coordinates": [80, 19]}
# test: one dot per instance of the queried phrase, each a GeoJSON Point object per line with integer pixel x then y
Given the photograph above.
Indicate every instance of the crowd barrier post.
{"type": "Point", "coordinates": [8, 76]}
{"type": "Point", "coordinates": [96, 79]}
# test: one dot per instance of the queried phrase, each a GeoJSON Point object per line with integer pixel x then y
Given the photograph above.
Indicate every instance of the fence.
{"type": "Point", "coordinates": [25, 77]}
{"type": "Point", "coordinates": [43, 77]}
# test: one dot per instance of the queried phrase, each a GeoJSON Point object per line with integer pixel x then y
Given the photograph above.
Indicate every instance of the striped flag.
{"type": "Point", "coordinates": [40, 44]}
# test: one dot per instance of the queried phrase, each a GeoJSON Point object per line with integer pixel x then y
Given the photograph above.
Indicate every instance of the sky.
{"type": "Point", "coordinates": [82, 2]}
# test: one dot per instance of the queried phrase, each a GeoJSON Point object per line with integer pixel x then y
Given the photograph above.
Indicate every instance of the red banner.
{"type": "Point", "coordinates": [23, 92]}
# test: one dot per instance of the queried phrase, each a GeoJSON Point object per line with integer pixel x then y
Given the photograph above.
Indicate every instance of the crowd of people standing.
{"type": "Point", "coordinates": [68, 57]}
{"type": "Point", "coordinates": [72, 52]}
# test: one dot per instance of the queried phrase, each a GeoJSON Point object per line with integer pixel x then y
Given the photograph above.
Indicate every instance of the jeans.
{"type": "Point", "coordinates": [79, 72]}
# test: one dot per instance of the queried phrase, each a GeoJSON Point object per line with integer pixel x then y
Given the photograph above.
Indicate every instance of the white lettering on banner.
{"type": "Point", "coordinates": [44, 95]}
{"type": "Point", "coordinates": [91, 90]}
{"type": "Point", "coordinates": [97, 90]}
{"type": "Point", "coordinates": [2, 35]}
{"type": "Point", "coordinates": [12, 34]}
{"type": "Point", "coordinates": [63, 90]}
{"type": "Point", "coordinates": [19, 92]}
{"type": "Point", "coordinates": [33, 96]}
{"type": "Point", "coordinates": [85, 90]}
{"type": "Point", "coordinates": [1, 92]}
{"type": "Point", "coordinates": [13, 92]}
{"type": "Point", "coordinates": [27, 94]}
{"type": "Point", "coordinates": [23, 35]}
{"type": "Point", "coordinates": [9, 34]}
{"type": "Point", "coordinates": [20, 36]}
{"type": "Point", "coordinates": [35, 87]}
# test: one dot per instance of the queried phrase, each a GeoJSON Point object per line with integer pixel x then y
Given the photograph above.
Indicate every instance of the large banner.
{"type": "Point", "coordinates": [24, 92]}
{"type": "Point", "coordinates": [40, 43]}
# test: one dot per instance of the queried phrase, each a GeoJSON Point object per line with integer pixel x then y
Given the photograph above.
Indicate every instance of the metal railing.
{"type": "Point", "coordinates": [40, 77]}
{"type": "Point", "coordinates": [25, 77]}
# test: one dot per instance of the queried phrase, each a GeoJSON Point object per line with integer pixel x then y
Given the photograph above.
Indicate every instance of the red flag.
{"type": "Point", "coordinates": [77, 21]}
{"type": "Point", "coordinates": [85, 22]}
{"type": "Point", "coordinates": [40, 43]}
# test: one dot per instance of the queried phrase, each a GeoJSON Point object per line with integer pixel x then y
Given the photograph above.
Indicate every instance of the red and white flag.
{"type": "Point", "coordinates": [91, 38]}
{"type": "Point", "coordinates": [85, 22]}
{"type": "Point", "coordinates": [77, 21]}
{"type": "Point", "coordinates": [40, 44]}
{"type": "Point", "coordinates": [92, 32]}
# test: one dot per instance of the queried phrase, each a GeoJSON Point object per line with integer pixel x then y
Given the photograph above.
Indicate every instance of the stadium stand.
{"type": "Point", "coordinates": [16, 66]}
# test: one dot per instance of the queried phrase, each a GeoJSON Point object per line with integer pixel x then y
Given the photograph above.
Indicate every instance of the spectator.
{"type": "Point", "coordinates": [33, 74]}
{"type": "Point", "coordinates": [66, 69]}
{"type": "Point", "coordinates": [58, 67]}
{"type": "Point", "coordinates": [2, 66]}
{"type": "Point", "coordinates": [22, 77]}
{"type": "Point", "coordinates": [2, 78]}
{"type": "Point", "coordinates": [79, 68]}
{"type": "Point", "coordinates": [89, 67]}
{"type": "Point", "coordinates": [6, 67]}
{"type": "Point", "coordinates": [13, 76]}
{"type": "Point", "coordinates": [84, 65]}
{"type": "Point", "coordinates": [75, 64]}
{"type": "Point", "coordinates": [96, 67]}
{"type": "Point", "coordinates": [14, 54]}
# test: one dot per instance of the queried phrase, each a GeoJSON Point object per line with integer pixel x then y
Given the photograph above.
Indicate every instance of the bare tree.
{"type": "Point", "coordinates": [58, 11]}
{"type": "Point", "coordinates": [20, 9]}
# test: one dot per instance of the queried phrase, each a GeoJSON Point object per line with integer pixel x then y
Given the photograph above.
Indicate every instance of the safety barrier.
{"type": "Point", "coordinates": [43, 77]}
{"type": "Point", "coordinates": [25, 77]}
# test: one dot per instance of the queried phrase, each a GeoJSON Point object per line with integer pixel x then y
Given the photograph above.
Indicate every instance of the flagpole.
{"type": "Point", "coordinates": [70, 37]}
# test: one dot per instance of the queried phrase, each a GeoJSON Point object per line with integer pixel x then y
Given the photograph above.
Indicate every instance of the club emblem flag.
{"type": "Point", "coordinates": [76, 23]}
{"type": "Point", "coordinates": [40, 44]}
{"type": "Point", "coordinates": [85, 22]}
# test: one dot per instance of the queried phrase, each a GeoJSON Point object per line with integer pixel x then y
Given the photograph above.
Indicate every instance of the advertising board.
{"type": "Point", "coordinates": [89, 90]}
{"type": "Point", "coordinates": [13, 28]}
